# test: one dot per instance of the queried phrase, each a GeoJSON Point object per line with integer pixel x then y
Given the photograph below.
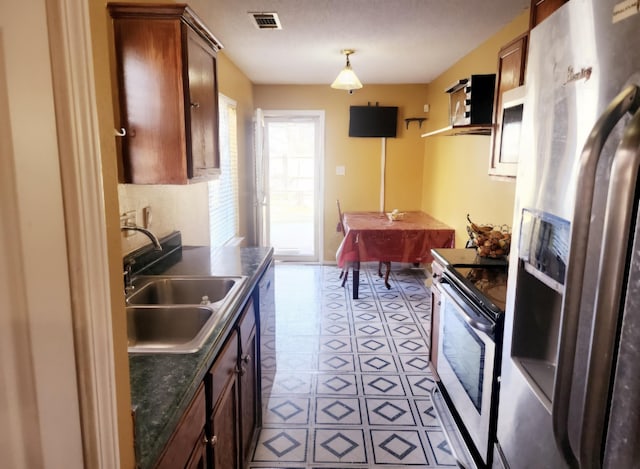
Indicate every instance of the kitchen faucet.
{"type": "Point", "coordinates": [150, 235]}
{"type": "Point", "coordinates": [128, 277]}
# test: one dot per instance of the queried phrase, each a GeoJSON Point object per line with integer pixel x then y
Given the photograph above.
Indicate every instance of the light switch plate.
{"type": "Point", "coordinates": [340, 171]}
{"type": "Point", "coordinates": [146, 217]}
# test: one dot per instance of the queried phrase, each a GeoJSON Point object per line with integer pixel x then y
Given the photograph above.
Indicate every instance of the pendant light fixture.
{"type": "Point", "coordinates": [347, 79]}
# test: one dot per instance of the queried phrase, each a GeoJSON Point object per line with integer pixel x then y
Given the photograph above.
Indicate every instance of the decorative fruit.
{"type": "Point", "coordinates": [491, 241]}
{"type": "Point", "coordinates": [479, 228]}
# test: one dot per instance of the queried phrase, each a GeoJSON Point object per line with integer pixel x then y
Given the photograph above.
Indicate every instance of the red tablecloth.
{"type": "Point", "coordinates": [371, 236]}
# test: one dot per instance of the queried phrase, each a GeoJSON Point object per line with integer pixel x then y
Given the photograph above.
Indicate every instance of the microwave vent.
{"type": "Point", "coordinates": [263, 20]}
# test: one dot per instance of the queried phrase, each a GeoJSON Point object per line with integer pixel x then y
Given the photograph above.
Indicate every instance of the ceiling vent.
{"type": "Point", "coordinates": [266, 20]}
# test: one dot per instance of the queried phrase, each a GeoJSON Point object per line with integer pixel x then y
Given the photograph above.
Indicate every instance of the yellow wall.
{"type": "Point", "coordinates": [455, 171]}
{"type": "Point", "coordinates": [359, 189]}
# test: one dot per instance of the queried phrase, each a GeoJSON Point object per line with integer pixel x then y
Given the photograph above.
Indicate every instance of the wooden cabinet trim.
{"type": "Point", "coordinates": [198, 459]}
{"type": "Point", "coordinates": [180, 12]}
{"type": "Point", "coordinates": [249, 388]}
{"type": "Point", "coordinates": [224, 367]}
{"type": "Point", "coordinates": [247, 323]}
{"type": "Point", "coordinates": [542, 9]}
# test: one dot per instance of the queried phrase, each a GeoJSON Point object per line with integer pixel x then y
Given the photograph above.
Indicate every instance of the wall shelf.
{"type": "Point", "coordinates": [453, 131]}
{"type": "Point", "coordinates": [420, 120]}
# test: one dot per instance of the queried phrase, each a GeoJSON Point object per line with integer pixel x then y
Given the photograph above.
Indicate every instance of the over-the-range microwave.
{"type": "Point", "coordinates": [511, 124]}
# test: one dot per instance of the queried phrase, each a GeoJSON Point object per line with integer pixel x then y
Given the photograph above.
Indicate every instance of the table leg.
{"type": "Point", "coordinates": [386, 275]}
{"type": "Point", "coordinates": [356, 280]}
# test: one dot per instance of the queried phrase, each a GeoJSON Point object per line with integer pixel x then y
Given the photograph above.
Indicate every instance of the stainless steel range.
{"type": "Point", "coordinates": [473, 294]}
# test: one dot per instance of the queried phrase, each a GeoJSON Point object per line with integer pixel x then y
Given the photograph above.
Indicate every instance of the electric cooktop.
{"type": "Point", "coordinates": [483, 279]}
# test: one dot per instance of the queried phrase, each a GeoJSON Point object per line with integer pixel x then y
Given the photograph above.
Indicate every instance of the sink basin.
{"type": "Point", "coordinates": [168, 329]}
{"type": "Point", "coordinates": [167, 314]}
{"type": "Point", "coordinates": [157, 290]}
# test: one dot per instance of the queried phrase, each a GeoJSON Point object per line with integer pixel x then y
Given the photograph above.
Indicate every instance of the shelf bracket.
{"type": "Point", "coordinates": [420, 120]}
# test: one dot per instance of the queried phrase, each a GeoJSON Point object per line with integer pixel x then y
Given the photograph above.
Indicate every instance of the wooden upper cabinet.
{"type": "Point", "coordinates": [540, 9]}
{"type": "Point", "coordinates": [168, 93]}
{"type": "Point", "coordinates": [511, 71]}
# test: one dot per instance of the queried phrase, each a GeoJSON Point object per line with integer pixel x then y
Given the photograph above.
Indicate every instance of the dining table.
{"type": "Point", "coordinates": [407, 237]}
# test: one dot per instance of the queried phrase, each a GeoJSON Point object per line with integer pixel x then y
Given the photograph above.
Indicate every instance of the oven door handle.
{"type": "Point", "coordinates": [475, 320]}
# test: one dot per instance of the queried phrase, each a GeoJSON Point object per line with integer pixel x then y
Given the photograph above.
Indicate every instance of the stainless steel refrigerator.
{"type": "Point", "coordinates": [570, 377]}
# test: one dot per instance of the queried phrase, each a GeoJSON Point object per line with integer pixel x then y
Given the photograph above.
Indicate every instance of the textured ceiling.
{"type": "Point", "coordinates": [396, 41]}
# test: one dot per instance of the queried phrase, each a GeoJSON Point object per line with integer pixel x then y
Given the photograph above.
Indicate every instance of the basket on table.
{"type": "Point", "coordinates": [490, 241]}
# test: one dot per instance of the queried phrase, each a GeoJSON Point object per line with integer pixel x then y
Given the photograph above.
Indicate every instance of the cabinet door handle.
{"type": "Point", "coordinates": [246, 358]}
{"type": "Point", "coordinates": [195, 105]}
{"type": "Point", "coordinates": [205, 440]}
{"type": "Point", "coordinates": [214, 440]}
{"type": "Point", "coordinates": [240, 370]}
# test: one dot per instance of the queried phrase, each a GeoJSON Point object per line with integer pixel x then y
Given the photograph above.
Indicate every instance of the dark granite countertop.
{"type": "Point", "coordinates": [162, 385]}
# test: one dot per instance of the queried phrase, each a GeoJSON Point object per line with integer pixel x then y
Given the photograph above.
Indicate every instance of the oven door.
{"type": "Point", "coordinates": [466, 360]}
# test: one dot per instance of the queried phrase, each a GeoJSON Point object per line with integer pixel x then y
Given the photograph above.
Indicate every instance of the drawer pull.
{"type": "Point", "coordinates": [246, 358]}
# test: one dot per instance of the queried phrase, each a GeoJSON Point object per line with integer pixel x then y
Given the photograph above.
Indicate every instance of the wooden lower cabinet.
{"type": "Point", "coordinates": [198, 459]}
{"type": "Point", "coordinates": [224, 420]}
{"type": "Point", "coordinates": [187, 446]}
{"type": "Point", "coordinates": [234, 395]}
{"type": "Point", "coordinates": [217, 429]}
{"type": "Point", "coordinates": [248, 379]}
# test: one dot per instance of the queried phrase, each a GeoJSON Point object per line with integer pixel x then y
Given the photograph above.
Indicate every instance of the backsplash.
{"type": "Point", "coordinates": [173, 208]}
{"type": "Point", "coordinates": [148, 261]}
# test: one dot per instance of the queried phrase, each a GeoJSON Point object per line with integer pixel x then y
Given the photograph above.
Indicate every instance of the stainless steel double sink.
{"type": "Point", "coordinates": [176, 314]}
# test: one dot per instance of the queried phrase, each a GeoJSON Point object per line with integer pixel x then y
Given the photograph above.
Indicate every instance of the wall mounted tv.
{"type": "Point", "coordinates": [373, 121]}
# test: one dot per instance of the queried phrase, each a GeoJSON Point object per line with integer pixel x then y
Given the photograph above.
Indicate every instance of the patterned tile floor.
{"type": "Point", "coordinates": [346, 382]}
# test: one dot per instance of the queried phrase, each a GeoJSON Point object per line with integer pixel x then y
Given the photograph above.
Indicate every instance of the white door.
{"type": "Point", "coordinates": [289, 182]}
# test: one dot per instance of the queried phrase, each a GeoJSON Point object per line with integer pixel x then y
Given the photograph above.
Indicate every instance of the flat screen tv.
{"type": "Point", "coordinates": [373, 121]}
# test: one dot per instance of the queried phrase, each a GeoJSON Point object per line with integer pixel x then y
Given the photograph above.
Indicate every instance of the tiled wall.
{"type": "Point", "coordinates": [183, 208]}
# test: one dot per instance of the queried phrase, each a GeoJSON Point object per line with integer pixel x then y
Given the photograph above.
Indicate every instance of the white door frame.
{"type": "Point", "coordinates": [319, 168]}
{"type": "Point", "coordinates": [56, 352]}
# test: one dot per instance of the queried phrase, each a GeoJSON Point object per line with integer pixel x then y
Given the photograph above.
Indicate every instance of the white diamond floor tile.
{"type": "Point", "coordinates": [345, 383]}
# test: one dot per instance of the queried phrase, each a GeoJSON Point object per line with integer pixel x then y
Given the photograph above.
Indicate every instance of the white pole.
{"type": "Point", "coordinates": [383, 163]}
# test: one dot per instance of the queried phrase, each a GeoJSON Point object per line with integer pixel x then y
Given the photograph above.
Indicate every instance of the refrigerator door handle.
{"type": "Point", "coordinates": [611, 280]}
{"type": "Point", "coordinates": [628, 99]}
